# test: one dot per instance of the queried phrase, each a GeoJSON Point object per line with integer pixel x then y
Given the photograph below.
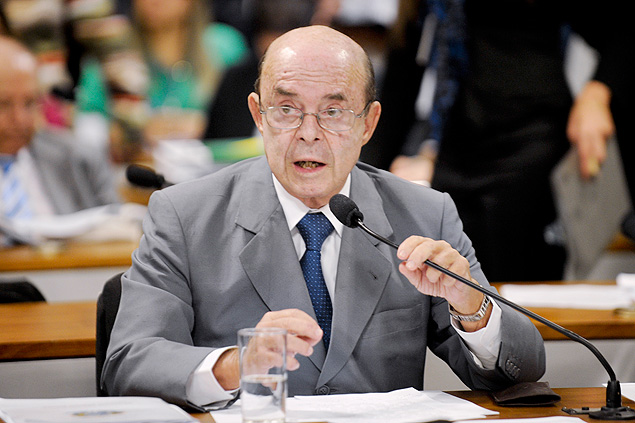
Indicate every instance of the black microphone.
{"type": "Point", "coordinates": [348, 213]}
{"type": "Point", "coordinates": [146, 177]}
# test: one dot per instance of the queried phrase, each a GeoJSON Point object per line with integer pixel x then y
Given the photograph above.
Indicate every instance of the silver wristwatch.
{"type": "Point", "coordinates": [471, 317]}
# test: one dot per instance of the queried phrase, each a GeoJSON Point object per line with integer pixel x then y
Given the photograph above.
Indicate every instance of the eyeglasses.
{"type": "Point", "coordinates": [287, 117]}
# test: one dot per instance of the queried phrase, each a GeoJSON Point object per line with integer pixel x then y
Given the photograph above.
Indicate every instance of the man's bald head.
{"type": "Point", "coordinates": [19, 94]}
{"type": "Point", "coordinates": [324, 41]}
{"type": "Point", "coordinates": [15, 56]}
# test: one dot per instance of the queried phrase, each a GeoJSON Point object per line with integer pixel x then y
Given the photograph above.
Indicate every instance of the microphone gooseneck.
{"type": "Point", "coordinates": [347, 212]}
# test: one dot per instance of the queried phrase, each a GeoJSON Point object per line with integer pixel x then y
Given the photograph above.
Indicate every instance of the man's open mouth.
{"type": "Point", "coordinates": [305, 164]}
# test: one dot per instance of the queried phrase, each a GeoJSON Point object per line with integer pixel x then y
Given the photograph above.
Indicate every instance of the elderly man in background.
{"type": "Point", "coordinates": [44, 171]}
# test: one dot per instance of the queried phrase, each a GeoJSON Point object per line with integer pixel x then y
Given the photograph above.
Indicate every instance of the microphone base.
{"type": "Point", "coordinates": [613, 413]}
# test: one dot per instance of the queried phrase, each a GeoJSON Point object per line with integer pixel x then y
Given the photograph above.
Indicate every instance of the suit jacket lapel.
{"type": "Point", "coordinates": [363, 271]}
{"type": "Point", "coordinates": [269, 258]}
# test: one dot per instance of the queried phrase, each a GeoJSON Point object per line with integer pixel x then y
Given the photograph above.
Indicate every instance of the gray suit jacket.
{"type": "Point", "coordinates": [216, 255]}
{"type": "Point", "coordinates": [73, 177]}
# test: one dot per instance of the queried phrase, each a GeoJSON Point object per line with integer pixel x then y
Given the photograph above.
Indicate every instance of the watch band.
{"type": "Point", "coordinates": [471, 317]}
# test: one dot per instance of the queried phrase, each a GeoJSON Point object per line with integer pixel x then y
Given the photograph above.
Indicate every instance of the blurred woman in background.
{"type": "Point", "coordinates": [186, 54]}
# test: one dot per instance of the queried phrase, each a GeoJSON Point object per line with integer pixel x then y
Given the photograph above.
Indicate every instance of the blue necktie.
{"type": "Point", "coordinates": [15, 201]}
{"type": "Point", "coordinates": [314, 228]}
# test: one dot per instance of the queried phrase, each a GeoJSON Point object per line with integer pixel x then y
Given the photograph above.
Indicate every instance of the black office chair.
{"type": "Point", "coordinates": [107, 307]}
{"type": "Point", "coordinates": [19, 291]}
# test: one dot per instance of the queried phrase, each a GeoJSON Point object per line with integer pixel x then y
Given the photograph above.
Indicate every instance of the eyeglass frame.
{"type": "Point", "coordinates": [317, 117]}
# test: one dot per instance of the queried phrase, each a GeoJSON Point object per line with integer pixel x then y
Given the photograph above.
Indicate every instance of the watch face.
{"type": "Point", "coordinates": [471, 317]}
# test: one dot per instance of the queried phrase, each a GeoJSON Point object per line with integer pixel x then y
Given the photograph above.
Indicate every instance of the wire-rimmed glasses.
{"type": "Point", "coordinates": [333, 119]}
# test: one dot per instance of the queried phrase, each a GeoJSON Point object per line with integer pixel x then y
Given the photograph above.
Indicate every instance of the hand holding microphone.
{"type": "Point", "coordinates": [347, 212]}
{"type": "Point", "coordinates": [414, 252]}
{"type": "Point", "coordinates": [438, 278]}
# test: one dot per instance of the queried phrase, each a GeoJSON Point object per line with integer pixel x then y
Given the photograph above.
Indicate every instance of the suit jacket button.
{"type": "Point", "coordinates": [323, 390]}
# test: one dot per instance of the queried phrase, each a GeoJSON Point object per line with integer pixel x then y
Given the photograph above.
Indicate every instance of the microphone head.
{"type": "Point", "coordinates": [346, 210]}
{"type": "Point", "coordinates": [144, 177]}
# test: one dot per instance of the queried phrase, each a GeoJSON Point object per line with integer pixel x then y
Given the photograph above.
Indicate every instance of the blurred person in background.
{"type": "Point", "coordinates": [229, 116]}
{"type": "Point", "coordinates": [44, 170]}
{"type": "Point", "coordinates": [61, 34]}
{"type": "Point", "coordinates": [240, 13]}
{"type": "Point", "coordinates": [186, 54]}
{"type": "Point", "coordinates": [499, 115]}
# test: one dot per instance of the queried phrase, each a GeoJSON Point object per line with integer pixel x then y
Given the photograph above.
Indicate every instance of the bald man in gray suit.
{"type": "Point", "coordinates": [223, 253]}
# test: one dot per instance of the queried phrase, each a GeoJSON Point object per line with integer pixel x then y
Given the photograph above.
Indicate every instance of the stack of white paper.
{"type": "Point", "coordinates": [401, 406]}
{"type": "Point", "coordinates": [626, 280]}
{"type": "Point", "coordinates": [103, 223]}
{"type": "Point", "coordinates": [92, 410]}
{"type": "Point", "coordinates": [582, 296]}
{"type": "Point", "coordinates": [551, 419]}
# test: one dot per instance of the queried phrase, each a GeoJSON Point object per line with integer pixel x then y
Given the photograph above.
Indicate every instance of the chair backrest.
{"type": "Point", "coordinates": [107, 307]}
{"type": "Point", "coordinates": [19, 291]}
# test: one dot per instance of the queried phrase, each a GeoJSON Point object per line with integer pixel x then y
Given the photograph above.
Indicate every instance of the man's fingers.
{"type": "Point", "coordinates": [416, 250]}
{"type": "Point", "coordinates": [297, 345]}
{"type": "Point", "coordinates": [292, 363]}
{"type": "Point", "coordinates": [296, 322]}
{"type": "Point", "coordinates": [303, 331]}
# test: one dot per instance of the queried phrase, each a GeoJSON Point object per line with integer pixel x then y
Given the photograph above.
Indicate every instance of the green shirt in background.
{"type": "Point", "coordinates": [174, 87]}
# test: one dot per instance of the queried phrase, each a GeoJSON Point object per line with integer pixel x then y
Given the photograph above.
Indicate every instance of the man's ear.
{"type": "Point", "coordinates": [370, 121]}
{"type": "Point", "coordinates": [253, 101]}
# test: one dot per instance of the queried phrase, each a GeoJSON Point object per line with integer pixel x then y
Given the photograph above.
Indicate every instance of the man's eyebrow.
{"type": "Point", "coordinates": [282, 91]}
{"type": "Point", "coordinates": [334, 96]}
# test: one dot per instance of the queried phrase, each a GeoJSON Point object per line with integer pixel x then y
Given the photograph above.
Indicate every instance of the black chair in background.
{"type": "Point", "coordinates": [107, 307]}
{"type": "Point", "coordinates": [19, 291]}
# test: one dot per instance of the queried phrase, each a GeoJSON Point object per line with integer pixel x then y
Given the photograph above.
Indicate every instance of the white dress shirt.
{"type": "Point", "coordinates": [29, 177]}
{"type": "Point", "coordinates": [203, 388]}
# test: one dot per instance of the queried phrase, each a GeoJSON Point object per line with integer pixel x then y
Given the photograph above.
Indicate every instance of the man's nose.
{"type": "Point", "coordinates": [310, 128]}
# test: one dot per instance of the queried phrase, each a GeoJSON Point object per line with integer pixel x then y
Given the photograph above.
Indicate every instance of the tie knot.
{"type": "Point", "coordinates": [314, 228]}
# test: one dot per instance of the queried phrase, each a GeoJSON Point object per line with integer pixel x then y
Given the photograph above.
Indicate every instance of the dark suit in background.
{"type": "Point", "coordinates": [506, 128]}
{"type": "Point", "coordinates": [228, 116]}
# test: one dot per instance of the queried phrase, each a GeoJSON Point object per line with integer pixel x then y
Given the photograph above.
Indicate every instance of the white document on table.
{"type": "Point", "coordinates": [628, 390]}
{"type": "Point", "coordinates": [551, 419]}
{"type": "Point", "coordinates": [580, 296]}
{"type": "Point", "coordinates": [102, 223]}
{"type": "Point", "coordinates": [92, 410]}
{"type": "Point", "coordinates": [401, 406]}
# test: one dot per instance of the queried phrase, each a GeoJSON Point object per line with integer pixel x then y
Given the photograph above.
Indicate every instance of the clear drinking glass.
{"type": "Point", "coordinates": [263, 374]}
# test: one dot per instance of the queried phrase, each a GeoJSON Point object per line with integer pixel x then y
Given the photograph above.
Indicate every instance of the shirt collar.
{"type": "Point", "coordinates": [294, 209]}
